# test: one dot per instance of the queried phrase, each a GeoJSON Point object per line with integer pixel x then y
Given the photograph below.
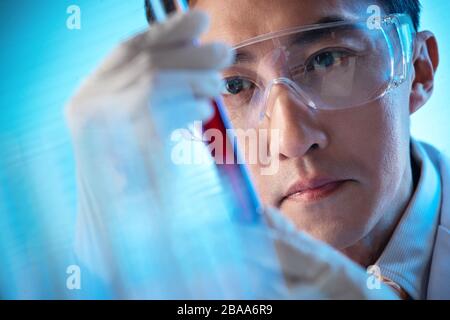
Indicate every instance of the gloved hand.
{"type": "Point", "coordinates": [120, 118]}
{"type": "Point", "coordinates": [160, 70]}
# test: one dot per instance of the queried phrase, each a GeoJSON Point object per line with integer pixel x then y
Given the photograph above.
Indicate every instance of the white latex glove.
{"type": "Point", "coordinates": [151, 84]}
{"type": "Point", "coordinates": [314, 270]}
{"type": "Point", "coordinates": [161, 70]}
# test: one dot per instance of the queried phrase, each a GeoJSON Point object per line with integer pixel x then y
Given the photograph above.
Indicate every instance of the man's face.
{"type": "Point", "coordinates": [354, 163]}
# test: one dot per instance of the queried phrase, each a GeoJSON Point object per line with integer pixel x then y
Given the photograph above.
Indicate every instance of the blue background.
{"type": "Point", "coordinates": [42, 62]}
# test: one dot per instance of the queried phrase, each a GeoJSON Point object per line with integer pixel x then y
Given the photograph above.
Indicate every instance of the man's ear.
{"type": "Point", "coordinates": [425, 63]}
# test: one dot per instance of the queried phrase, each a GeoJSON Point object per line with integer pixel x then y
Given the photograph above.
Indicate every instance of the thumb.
{"type": "Point", "coordinates": [180, 28]}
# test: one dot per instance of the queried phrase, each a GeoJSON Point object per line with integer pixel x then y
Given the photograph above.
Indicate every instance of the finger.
{"type": "Point", "coordinates": [209, 56]}
{"type": "Point", "coordinates": [187, 84]}
{"type": "Point", "coordinates": [124, 65]}
{"type": "Point", "coordinates": [176, 85]}
{"type": "Point", "coordinates": [180, 28]}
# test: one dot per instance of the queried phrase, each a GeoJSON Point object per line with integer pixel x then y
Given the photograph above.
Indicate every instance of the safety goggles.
{"type": "Point", "coordinates": [329, 66]}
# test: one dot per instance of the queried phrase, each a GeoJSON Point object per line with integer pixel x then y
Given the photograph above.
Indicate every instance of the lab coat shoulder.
{"type": "Point", "coordinates": [439, 279]}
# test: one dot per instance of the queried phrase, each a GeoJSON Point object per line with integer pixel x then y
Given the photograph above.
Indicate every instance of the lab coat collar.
{"type": "Point", "coordinates": [439, 279]}
{"type": "Point", "coordinates": [406, 258]}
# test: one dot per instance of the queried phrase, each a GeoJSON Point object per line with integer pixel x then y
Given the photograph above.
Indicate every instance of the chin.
{"type": "Point", "coordinates": [338, 238]}
{"type": "Point", "coordinates": [340, 228]}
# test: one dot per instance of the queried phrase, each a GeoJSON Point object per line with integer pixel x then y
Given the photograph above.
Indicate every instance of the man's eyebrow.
{"type": "Point", "coordinates": [316, 35]}
{"type": "Point", "coordinates": [243, 57]}
{"type": "Point", "coordinates": [331, 19]}
{"type": "Point", "coordinates": [248, 57]}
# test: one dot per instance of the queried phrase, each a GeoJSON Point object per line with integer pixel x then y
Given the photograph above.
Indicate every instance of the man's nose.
{"type": "Point", "coordinates": [299, 131]}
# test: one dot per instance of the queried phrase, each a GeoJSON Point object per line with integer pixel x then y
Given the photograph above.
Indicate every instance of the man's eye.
{"type": "Point", "coordinates": [235, 85]}
{"type": "Point", "coordinates": [327, 59]}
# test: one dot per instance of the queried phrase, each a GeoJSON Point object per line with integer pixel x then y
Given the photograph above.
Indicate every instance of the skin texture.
{"type": "Point", "coordinates": [368, 147]}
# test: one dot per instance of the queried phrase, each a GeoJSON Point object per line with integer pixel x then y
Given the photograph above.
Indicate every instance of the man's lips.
{"type": "Point", "coordinates": [313, 190]}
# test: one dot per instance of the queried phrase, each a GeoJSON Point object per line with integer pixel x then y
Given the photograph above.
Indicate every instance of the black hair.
{"type": "Point", "coordinates": [410, 7]}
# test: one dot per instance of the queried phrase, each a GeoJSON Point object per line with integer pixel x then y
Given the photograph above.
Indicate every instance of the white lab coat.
{"type": "Point", "coordinates": [439, 278]}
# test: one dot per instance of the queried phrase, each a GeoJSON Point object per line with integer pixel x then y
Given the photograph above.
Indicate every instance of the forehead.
{"type": "Point", "coordinates": [234, 21]}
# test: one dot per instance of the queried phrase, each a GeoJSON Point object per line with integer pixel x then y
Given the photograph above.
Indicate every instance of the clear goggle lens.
{"type": "Point", "coordinates": [330, 66]}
